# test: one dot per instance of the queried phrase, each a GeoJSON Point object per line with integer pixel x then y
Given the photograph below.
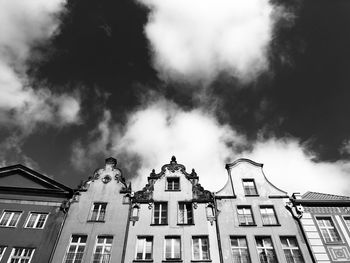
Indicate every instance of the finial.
{"type": "Point", "coordinates": [193, 173]}
{"type": "Point", "coordinates": [153, 173]}
{"type": "Point", "coordinates": [173, 160]}
{"type": "Point", "coordinates": [111, 162]}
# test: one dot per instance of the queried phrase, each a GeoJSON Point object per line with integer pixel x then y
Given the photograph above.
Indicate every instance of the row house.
{"type": "Point", "coordinates": [325, 221]}
{"type": "Point", "coordinates": [32, 213]}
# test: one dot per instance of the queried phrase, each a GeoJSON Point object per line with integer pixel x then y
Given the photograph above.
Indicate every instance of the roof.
{"type": "Point", "coordinates": [321, 196]}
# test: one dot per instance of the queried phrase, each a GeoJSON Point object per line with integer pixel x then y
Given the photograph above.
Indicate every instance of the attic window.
{"type": "Point", "coordinates": [249, 187]}
{"type": "Point", "coordinates": [173, 184]}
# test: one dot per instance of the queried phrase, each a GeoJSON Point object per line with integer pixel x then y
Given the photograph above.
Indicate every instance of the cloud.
{"type": "Point", "coordinates": [160, 129]}
{"type": "Point", "coordinates": [196, 40]}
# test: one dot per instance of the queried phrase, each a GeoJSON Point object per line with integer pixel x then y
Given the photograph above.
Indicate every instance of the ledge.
{"type": "Point", "coordinates": [201, 260]}
{"type": "Point", "coordinates": [95, 221]}
{"type": "Point", "coordinates": [177, 190]}
{"type": "Point", "coordinates": [179, 224]}
{"type": "Point", "coordinates": [159, 224]}
{"type": "Point", "coordinates": [248, 225]}
{"type": "Point", "coordinates": [142, 260]}
{"type": "Point", "coordinates": [251, 195]}
{"type": "Point", "coordinates": [273, 225]}
{"type": "Point", "coordinates": [172, 260]}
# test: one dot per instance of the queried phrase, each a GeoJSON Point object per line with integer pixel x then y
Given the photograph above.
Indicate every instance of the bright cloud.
{"type": "Point", "coordinates": [195, 40]}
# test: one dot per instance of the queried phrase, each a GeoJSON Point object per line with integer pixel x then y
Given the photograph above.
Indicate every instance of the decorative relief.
{"type": "Point", "coordinates": [339, 253]}
{"type": "Point", "coordinates": [327, 210]}
{"type": "Point", "coordinates": [106, 179]}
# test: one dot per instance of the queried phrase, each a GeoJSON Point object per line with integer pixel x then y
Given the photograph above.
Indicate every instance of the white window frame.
{"type": "Point", "coordinates": [103, 245]}
{"type": "Point", "coordinates": [10, 218]}
{"type": "Point", "coordinates": [172, 247]}
{"type": "Point", "coordinates": [327, 228]}
{"type": "Point", "coordinates": [291, 248]}
{"type": "Point", "coordinates": [240, 248]}
{"type": "Point", "coordinates": [158, 221]}
{"type": "Point", "coordinates": [265, 209]}
{"type": "Point", "coordinates": [143, 239]}
{"type": "Point", "coordinates": [347, 221]}
{"type": "Point", "coordinates": [244, 209]}
{"type": "Point", "coordinates": [200, 238]}
{"type": "Point", "coordinates": [2, 250]}
{"type": "Point", "coordinates": [22, 255]}
{"type": "Point", "coordinates": [39, 214]}
{"type": "Point", "coordinates": [248, 180]}
{"type": "Point", "coordinates": [266, 248]}
{"type": "Point", "coordinates": [173, 183]}
{"type": "Point", "coordinates": [99, 209]}
{"type": "Point", "coordinates": [77, 244]}
{"type": "Point", "coordinates": [185, 210]}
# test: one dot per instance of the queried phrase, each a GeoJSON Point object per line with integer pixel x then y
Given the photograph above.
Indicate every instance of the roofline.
{"type": "Point", "coordinates": [230, 165]}
{"type": "Point", "coordinates": [21, 167]}
{"type": "Point", "coordinates": [321, 202]}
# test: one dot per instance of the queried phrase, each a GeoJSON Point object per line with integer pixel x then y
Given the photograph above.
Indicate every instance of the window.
{"type": "Point", "coordinates": [98, 212]}
{"type": "Point", "coordinates": [291, 250]}
{"type": "Point", "coordinates": [249, 187]}
{"type": "Point", "coordinates": [265, 249]}
{"type": "Point", "coordinates": [36, 220]}
{"type": "Point", "coordinates": [200, 248]}
{"type": "Point", "coordinates": [185, 215]}
{"type": "Point", "coordinates": [160, 213]}
{"type": "Point", "coordinates": [245, 216]}
{"type": "Point", "coordinates": [144, 248]}
{"type": "Point", "coordinates": [239, 250]}
{"type": "Point", "coordinates": [347, 221]}
{"type": "Point", "coordinates": [172, 248]}
{"type": "Point", "coordinates": [268, 215]}
{"type": "Point", "coordinates": [2, 251]}
{"type": "Point", "coordinates": [103, 249]}
{"type": "Point", "coordinates": [23, 255]}
{"type": "Point", "coordinates": [328, 230]}
{"type": "Point", "coordinates": [10, 218]}
{"type": "Point", "coordinates": [76, 249]}
{"type": "Point", "coordinates": [173, 183]}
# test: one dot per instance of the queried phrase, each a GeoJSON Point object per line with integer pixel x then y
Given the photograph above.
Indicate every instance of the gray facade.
{"type": "Point", "coordinates": [96, 224]}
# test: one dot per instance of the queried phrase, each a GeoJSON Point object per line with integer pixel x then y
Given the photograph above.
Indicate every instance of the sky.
{"type": "Point", "coordinates": [208, 81]}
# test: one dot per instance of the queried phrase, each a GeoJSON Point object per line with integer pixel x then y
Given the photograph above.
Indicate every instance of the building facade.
{"type": "Point", "coordinates": [172, 219]}
{"type": "Point", "coordinates": [31, 214]}
{"type": "Point", "coordinates": [325, 220]}
{"type": "Point", "coordinates": [96, 226]}
{"type": "Point", "coordinates": [253, 222]}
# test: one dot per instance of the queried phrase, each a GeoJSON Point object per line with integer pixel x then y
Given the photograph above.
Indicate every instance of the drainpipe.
{"type": "Point", "coordinates": [126, 231]}
{"type": "Point", "coordinates": [218, 230]}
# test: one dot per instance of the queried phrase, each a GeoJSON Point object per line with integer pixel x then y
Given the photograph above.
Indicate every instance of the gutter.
{"type": "Point", "coordinates": [126, 231]}
{"type": "Point", "coordinates": [218, 231]}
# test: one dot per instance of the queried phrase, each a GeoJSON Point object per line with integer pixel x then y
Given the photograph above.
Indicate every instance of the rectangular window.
{"type": "Point", "coordinates": [172, 248]}
{"type": "Point", "coordinates": [103, 248]}
{"type": "Point", "coordinates": [249, 187]}
{"type": "Point", "coordinates": [144, 248]}
{"type": "Point", "coordinates": [2, 251]}
{"type": "Point", "coordinates": [36, 220]}
{"type": "Point", "coordinates": [10, 218]}
{"type": "Point", "coordinates": [185, 214]}
{"type": "Point", "coordinates": [291, 250]}
{"type": "Point", "coordinates": [200, 248]}
{"type": "Point", "coordinates": [268, 215]}
{"type": "Point", "coordinates": [98, 212]}
{"type": "Point", "coordinates": [20, 254]}
{"type": "Point", "coordinates": [239, 249]}
{"type": "Point", "coordinates": [245, 216]}
{"type": "Point", "coordinates": [160, 213]}
{"type": "Point", "coordinates": [76, 249]}
{"type": "Point", "coordinates": [328, 230]}
{"type": "Point", "coordinates": [173, 183]}
{"type": "Point", "coordinates": [347, 221]}
{"type": "Point", "coordinates": [265, 249]}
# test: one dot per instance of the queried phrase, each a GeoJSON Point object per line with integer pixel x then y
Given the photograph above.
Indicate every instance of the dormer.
{"type": "Point", "coordinates": [246, 179]}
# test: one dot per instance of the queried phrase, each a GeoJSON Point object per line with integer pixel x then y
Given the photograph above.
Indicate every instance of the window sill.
{"type": "Point", "coordinates": [176, 190]}
{"type": "Point", "coordinates": [251, 195]}
{"type": "Point", "coordinates": [248, 225]}
{"type": "Point", "coordinates": [9, 226]}
{"type": "Point", "coordinates": [180, 224]}
{"type": "Point", "coordinates": [96, 221]}
{"type": "Point", "coordinates": [142, 260]}
{"type": "Point", "coordinates": [334, 243]}
{"type": "Point", "coordinates": [273, 225]}
{"type": "Point", "coordinates": [201, 260]}
{"type": "Point", "coordinates": [172, 260]}
{"type": "Point", "coordinates": [159, 224]}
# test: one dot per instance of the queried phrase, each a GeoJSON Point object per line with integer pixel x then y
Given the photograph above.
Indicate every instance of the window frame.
{"type": "Point", "coordinates": [104, 245]}
{"type": "Point", "coordinates": [244, 189]}
{"type": "Point", "coordinates": [37, 220]}
{"type": "Point", "coordinates": [77, 244]}
{"type": "Point", "coordinates": [159, 223]}
{"type": "Point", "coordinates": [240, 247]}
{"type": "Point", "coordinates": [265, 248]}
{"type": "Point", "coordinates": [274, 213]}
{"type": "Point", "coordinates": [12, 256]}
{"type": "Point", "coordinates": [173, 252]}
{"type": "Point", "coordinates": [144, 249]}
{"type": "Point", "coordinates": [3, 251]}
{"type": "Point", "coordinates": [98, 212]}
{"type": "Point", "coordinates": [251, 212]}
{"type": "Point", "coordinates": [185, 210]}
{"type": "Point", "coordinates": [173, 188]}
{"type": "Point", "coordinates": [11, 217]}
{"type": "Point", "coordinates": [290, 248]}
{"type": "Point", "coordinates": [317, 217]}
{"type": "Point", "coordinates": [200, 246]}
{"type": "Point", "coordinates": [347, 225]}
